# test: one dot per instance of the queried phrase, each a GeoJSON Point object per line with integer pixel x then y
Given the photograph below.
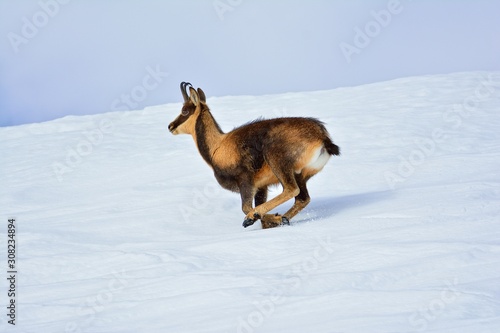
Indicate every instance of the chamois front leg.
{"type": "Point", "coordinates": [247, 193]}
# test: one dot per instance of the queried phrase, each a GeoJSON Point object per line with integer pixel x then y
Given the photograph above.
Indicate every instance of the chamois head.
{"type": "Point", "coordinates": [185, 122]}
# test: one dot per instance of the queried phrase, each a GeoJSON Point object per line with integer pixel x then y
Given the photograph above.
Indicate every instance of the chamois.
{"type": "Point", "coordinates": [258, 154]}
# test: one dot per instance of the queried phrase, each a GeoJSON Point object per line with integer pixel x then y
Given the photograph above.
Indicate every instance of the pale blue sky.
{"type": "Point", "coordinates": [62, 57]}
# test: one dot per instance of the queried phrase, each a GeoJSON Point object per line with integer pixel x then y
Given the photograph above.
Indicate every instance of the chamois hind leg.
{"type": "Point", "coordinates": [260, 196]}
{"type": "Point", "coordinates": [272, 221]}
{"type": "Point", "coordinates": [290, 190]}
{"type": "Point", "coordinates": [301, 201]}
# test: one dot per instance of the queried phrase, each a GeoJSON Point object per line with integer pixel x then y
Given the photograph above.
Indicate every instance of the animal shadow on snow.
{"type": "Point", "coordinates": [324, 207]}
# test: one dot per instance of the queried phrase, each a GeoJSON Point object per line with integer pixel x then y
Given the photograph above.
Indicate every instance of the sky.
{"type": "Point", "coordinates": [76, 57]}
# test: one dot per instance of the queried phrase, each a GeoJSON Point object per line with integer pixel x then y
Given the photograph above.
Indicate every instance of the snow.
{"type": "Point", "coordinates": [123, 228]}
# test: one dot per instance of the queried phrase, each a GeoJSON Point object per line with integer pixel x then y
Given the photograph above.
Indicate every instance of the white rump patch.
{"type": "Point", "coordinates": [318, 160]}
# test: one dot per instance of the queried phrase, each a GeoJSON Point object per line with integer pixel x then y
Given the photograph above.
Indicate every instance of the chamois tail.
{"type": "Point", "coordinates": [331, 148]}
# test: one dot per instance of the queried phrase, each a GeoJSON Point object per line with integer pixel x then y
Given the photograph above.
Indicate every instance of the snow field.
{"type": "Point", "coordinates": [123, 228]}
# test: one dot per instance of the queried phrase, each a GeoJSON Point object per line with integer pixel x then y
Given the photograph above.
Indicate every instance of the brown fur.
{"type": "Point", "coordinates": [248, 159]}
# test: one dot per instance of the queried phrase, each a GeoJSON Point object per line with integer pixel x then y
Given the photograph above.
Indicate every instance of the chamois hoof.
{"type": "Point", "coordinates": [273, 221]}
{"type": "Point", "coordinates": [249, 221]}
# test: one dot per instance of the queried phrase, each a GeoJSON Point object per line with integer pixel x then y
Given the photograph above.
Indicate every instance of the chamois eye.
{"type": "Point", "coordinates": [185, 111]}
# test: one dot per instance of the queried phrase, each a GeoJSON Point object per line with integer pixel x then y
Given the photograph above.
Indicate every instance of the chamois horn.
{"type": "Point", "coordinates": [183, 90]}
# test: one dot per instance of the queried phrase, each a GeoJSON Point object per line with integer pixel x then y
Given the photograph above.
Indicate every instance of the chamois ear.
{"type": "Point", "coordinates": [193, 95]}
{"type": "Point", "coordinates": [202, 95]}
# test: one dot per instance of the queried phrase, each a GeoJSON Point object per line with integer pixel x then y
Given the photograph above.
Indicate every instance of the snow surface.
{"type": "Point", "coordinates": [123, 228]}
